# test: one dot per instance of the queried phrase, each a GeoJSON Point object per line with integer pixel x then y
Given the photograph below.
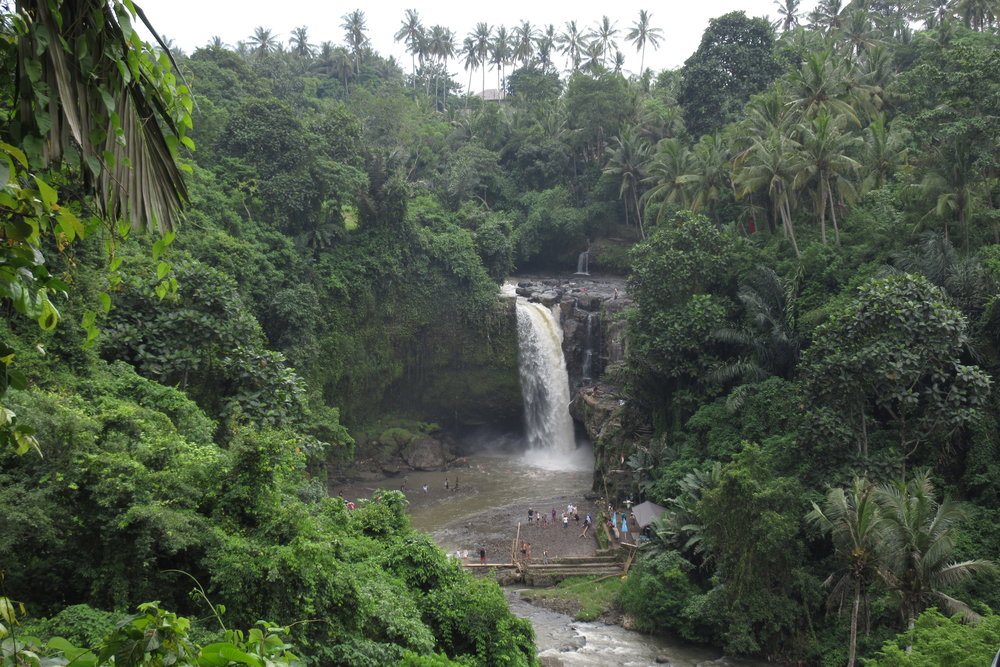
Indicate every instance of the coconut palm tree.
{"type": "Point", "coordinates": [860, 31]}
{"type": "Point", "coordinates": [605, 33]}
{"type": "Point", "coordinates": [642, 33]}
{"type": "Point", "coordinates": [854, 522]}
{"type": "Point", "coordinates": [593, 57]}
{"type": "Point", "coordinates": [950, 182]}
{"type": "Point", "coordinates": [788, 10]}
{"type": "Point", "coordinates": [355, 26]}
{"type": "Point", "coordinates": [524, 43]}
{"type": "Point", "coordinates": [818, 86]}
{"type": "Point", "coordinates": [769, 163]}
{"type": "Point", "coordinates": [920, 537]}
{"type": "Point", "coordinates": [483, 37]}
{"type": "Point", "coordinates": [978, 15]}
{"type": "Point", "coordinates": [824, 154]}
{"type": "Point", "coordinates": [411, 33]}
{"type": "Point", "coordinates": [572, 43]}
{"type": "Point", "coordinates": [545, 43]}
{"type": "Point", "coordinates": [300, 43]}
{"type": "Point", "coordinates": [470, 62]}
{"type": "Point", "coordinates": [500, 55]}
{"type": "Point", "coordinates": [712, 173]}
{"type": "Point", "coordinates": [446, 51]}
{"type": "Point", "coordinates": [884, 151]}
{"type": "Point", "coordinates": [669, 171]}
{"type": "Point", "coordinates": [263, 42]}
{"type": "Point", "coordinates": [828, 16]}
{"type": "Point", "coordinates": [627, 157]}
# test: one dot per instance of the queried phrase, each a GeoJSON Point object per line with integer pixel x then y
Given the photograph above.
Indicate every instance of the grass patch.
{"type": "Point", "coordinates": [594, 595]}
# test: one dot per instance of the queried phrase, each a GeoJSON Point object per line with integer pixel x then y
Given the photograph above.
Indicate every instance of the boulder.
{"type": "Point", "coordinates": [425, 454]}
{"type": "Point", "coordinates": [549, 297]}
{"type": "Point", "coordinates": [550, 661]}
{"type": "Point", "coordinates": [574, 644]}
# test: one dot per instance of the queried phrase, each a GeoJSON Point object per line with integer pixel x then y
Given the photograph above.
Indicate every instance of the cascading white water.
{"type": "Point", "coordinates": [544, 381]}
{"type": "Point", "coordinates": [544, 387]}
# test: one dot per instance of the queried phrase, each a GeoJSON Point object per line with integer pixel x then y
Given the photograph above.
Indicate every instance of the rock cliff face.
{"type": "Point", "coordinates": [459, 376]}
{"type": "Point", "coordinates": [590, 312]}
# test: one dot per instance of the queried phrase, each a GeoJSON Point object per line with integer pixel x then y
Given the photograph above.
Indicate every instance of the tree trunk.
{"type": "Point", "coordinates": [852, 647]}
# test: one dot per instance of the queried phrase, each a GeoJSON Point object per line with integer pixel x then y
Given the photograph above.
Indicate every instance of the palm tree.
{"type": "Point", "coordinates": [950, 182]}
{"type": "Point", "coordinates": [500, 55]}
{"type": "Point", "coordinates": [770, 341]}
{"type": "Point", "coordinates": [627, 157]}
{"type": "Point", "coordinates": [769, 163]}
{"type": "Point", "coordinates": [788, 10]}
{"type": "Point", "coordinates": [828, 16]}
{"type": "Point", "coordinates": [605, 34]}
{"type": "Point", "coordinates": [824, 155]}
{"type": "Point", "coordinates": [524, 43]}
{"type": "Point", "coordinates": [572, 43]}
{"type": "Point", "coordinates": [263, 42]}
{"type": "Point", "coordinates": [544, 44]}
{"type": "Point", "coordinates": [853, 519]}
{"type": "Point", "coordinates": [446, 51]}
{"type": "Point", "coordinates": [978, 15]}
{"type": "Point", "coordinates": [670, 173]}
{"type": "Point", "coordinates": [411, 34]}
{"type": "Point", "coordinates": [300, 43]}
{"type": "Point", "coordinates": [470, 62]}
{"type": "Point", "coordinates": [594, 57]}
{"type": "Point", "coordinates": [712, 173]}
{"type": "Point", "coordinates": [859, 31]}
{"type": "Point", "coordinates": [641, 33]}
{"type": "Point", "coordinates": [354, 26]}
{"type": "Point", "coordinates": [483, 37]}
{"type": "Point", "coordinates": [818, 86]}
{"type": "Point", "coordinates": [619, 62]}
{"type": "Point", "coordinates": [885, 150]}
{"type": "Point", "coordinates": [920, 536]}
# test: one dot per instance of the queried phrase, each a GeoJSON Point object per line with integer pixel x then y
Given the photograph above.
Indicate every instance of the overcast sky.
{"type": "Point", "coordinates": [193, 23]}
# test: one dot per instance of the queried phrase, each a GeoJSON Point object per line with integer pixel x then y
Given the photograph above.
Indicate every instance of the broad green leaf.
{"type": "Point", "coordinates": [105, 300]}
{"type": "Point", "coordinates": [162, 269]}
{"type": "Point", "coordinates": [47, 193]}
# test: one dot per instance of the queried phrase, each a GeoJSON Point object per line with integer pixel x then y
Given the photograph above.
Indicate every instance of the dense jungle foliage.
{"type": "Point", "coordinates": [813, 213]}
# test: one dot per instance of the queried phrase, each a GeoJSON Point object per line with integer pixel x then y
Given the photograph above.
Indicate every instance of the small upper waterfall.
{"type": "Point", "coordinates": [583, 264]}
{"type": "Point", "coordinates": [544, 381]}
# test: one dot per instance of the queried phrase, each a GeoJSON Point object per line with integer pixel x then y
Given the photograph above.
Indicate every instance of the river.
{"type": "Point", "coordinates": [496, 484]}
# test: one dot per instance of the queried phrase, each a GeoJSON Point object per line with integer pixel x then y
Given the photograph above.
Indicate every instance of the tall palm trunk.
{"type": "Point", "coordinates": [852, 648]}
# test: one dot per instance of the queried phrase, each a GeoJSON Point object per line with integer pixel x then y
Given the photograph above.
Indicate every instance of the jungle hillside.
{"type": "Point", "coordinates": [226, 275]}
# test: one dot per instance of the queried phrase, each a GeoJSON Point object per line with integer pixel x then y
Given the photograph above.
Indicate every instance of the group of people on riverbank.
{"type": "Point", "coordinates": [542, 519]}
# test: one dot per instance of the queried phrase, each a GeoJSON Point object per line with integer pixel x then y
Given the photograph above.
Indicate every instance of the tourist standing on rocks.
{"type": "Point", "coordinates": [565, 520]}
{"type": "Point", "coordinates": [482, 556]}
{"type": "Point", "coordinates": [531, 515]}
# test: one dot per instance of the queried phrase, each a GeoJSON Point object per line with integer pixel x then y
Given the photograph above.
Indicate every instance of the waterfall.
{"type": "Point", "coordinates": [587, 366]}
{"type": "Point", "coordinates": [583, 264]}
{"type": "Point", "coordinates": [544, 382]}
